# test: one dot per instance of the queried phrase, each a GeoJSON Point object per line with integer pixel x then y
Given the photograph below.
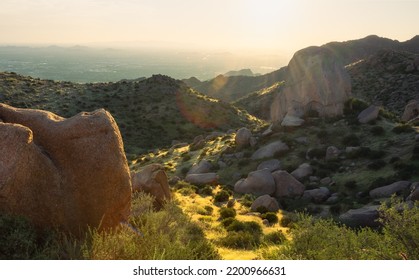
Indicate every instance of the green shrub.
{"type": "Point", "coordinates": [247, 200]}
{"type": "Point", "coordinates": [207, 190]}
{"type": "Point", "coordinates": [351, 140]}
{"type": "Point", "coordinates": [351, 185]}
{"type": "Point", "coordinates": [227, 213]}
{"type": "Point", "coordinates": [221, 196]}
{"type": "Point", "coordinates": [377, 130]}
{"type": "Point", "coordinates": [377, 164]}
{"type": "Point", "coordinates": [241, 240]}
{"type": "Point", "coordinates": [227, 222]}
{"type": "Point", "coordinates": [326, 240]}
{"type": "Point", "coordinates": [402, 128]}
{"type": "Point", "coordinates": [354, 106]}
{"type": "Point", "coordinates": [276, 237]}
{"type": "Point", "coordinates": [271, 217]}
{"type": "Point", "coordinates": [262, 209]}
{"type": "Point", "coordinates": [317, 153]}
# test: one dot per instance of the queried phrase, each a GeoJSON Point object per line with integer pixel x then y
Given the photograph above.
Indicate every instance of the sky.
{"type": "Point", "coordinates": [230, 25]}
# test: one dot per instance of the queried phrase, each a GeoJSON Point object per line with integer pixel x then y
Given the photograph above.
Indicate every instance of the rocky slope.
{"type": "Point", "coordinates": [390, 78]}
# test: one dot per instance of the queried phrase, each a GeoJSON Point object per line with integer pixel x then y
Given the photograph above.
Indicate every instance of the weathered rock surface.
{"type": "Point", "coordinates": [365, 216]}
{"type": "Point", "coordinates": [270, 150]}
{"type": "Point", "coordinates": [287, 185]}
{"type": "Point", "coordinates": [292, 121]}
{"type": "Point", "coordinates": [332, 153]}
{"type": "Point", "coordinates": [414, 196]}
{"type": "Point", "coordinates": [272, 165]}
{"type": "Point", "coordinates": [152, 179]}
{"type": "Point", "coordinates": [369, 114]}
{"type": "Point", "coordinates": [270, 203]}
{"type": "Point", "coordinates": [389, 190]}
{"type": "Point", "coordinates": [302, 171]}
{"type": "Point", "coordinates": [202, 167]}
{"type": "Point", "coordinates": [411, 110]}
{"type": "Point", "coordinates": [317, 81]}
{"type": "Point", "coordinates": [258, 182]}
{"type": "Point", "coordinates": [202, 179]}
{"type": "Point", "coordinates": [67, 173]}
{"type": "Point", "coordinates": [242, 137]}
{"type": "Point", "coordinates": [319, 195]}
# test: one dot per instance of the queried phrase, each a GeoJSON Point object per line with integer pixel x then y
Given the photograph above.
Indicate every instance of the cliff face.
{"type": "Point", "coordinates": [317, 81]}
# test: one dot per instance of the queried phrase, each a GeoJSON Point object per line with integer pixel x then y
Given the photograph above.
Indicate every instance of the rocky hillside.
{"type": "Point", "coordinates": [390, 78]}
{"type": "Point", "coordinates": [233, 88]}
{"type": "Point", "coordinates": [150, 113]}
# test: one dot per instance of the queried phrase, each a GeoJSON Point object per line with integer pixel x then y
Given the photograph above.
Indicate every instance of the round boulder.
{"type": "Point", "coordinates": [270, 203]}
{"type": "Point", "coordinates": [258, 182]}
{"type": "Point", "coordinates": [242, 138]}
{"type": "Point", "coordinates": [286, 185]}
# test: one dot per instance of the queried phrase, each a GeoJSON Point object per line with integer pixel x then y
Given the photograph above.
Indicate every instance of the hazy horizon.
{"type": "Point", "coordinates": [238, 26]}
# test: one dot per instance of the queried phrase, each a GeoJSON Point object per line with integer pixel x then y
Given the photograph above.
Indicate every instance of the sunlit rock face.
{"type": "Point", "coordinates": [316, 81]}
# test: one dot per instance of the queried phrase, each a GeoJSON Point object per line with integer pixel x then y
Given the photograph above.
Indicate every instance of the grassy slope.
{"type": "Point", "coordinates": [150, 113]}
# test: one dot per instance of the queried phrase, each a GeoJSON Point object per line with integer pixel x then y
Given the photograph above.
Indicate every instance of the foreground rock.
{"type": "Point", "coordinates": [270, 150]}
{"type": "Point", "coordinates": [292, 121]}
{"type": "Point", "coordinates": [152, 179]}
{"type": "Point", "coordinates": [258, 182]}
{"type": "Point", "coordinates": [266, 201]}
{"type": "Point", "coordinates": [202, 179]}
{"type": "Point", "coordinates": [66, 173]}
{"type": "Point", "coordinates": [286, 185]}
{"type": "Point", "coordinates": [369, 114]}
{"type": "Point", "coordinates": [389, 190]}
{"type": "Point", "coordinates": [363, 217]}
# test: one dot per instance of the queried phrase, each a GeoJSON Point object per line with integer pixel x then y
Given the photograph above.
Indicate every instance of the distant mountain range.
{"type": "Point", "coordinates": [233, 88]}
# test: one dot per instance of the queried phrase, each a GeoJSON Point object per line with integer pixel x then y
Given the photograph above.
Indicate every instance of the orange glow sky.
{"type": "Point", "coordinates": [230, 25]}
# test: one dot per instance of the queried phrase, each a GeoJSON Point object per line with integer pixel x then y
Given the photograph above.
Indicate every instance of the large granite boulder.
{"type": "Point", "coordinates": [411, 111]}
{"type": "Point", "coordinates": [369, 114]}
{"type": "Point", "coordinates": [202, 179]}
{"type": "Point", "coordinates": [152, 179]}
{"type": "Point", "coordinates": [203, 166]}
{"type": "Point", "coordinates": [319, 195]}
{"type": "Point", "coordinates": [302, 171]}
{"type": "Point", "coordinates": [242, 137]}
{"type": "Point", "coordinates": [270, 150]}
{"type": "Point", "coordinates": [286, 185]}
{"type": "Point", "coordinates": [389, 190]}
{"type": "Point", "coordinates": [316, 81]}
{"type": "Point", "coordinates": [267, 201]}
{"type": "Point", "coordinates": [66, 173]}
{"type": "Point", "coordinates": [272, 165]}
{"type": "Point", "coordinates": [362, 217]}
{"type": "Point", "coordinates": [258, 182]}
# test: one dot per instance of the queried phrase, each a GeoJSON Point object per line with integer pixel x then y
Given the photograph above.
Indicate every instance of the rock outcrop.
{"type": "Point", "coordinates": [270, 150]}
{"type": "Point", "coordinates": [315, 81]}
{"type": "Point", "coordinates": [389, 190]}
{"type": "Point", "coordinates": [258, 182]}
{"type": "Point", "coordinates": [286, 185]}
{"type": "Point", "coordinates": [66, 173]}
{"type": "Point", "coordinates": [242, 137]}
{"type": "Point", "coordinates": [203, 166]}
{"type": "Point", "coordinates": [302, 171]}
{"type": "Point", "coordinates": [202, 179]}
{"type": "Point", "coordinates": [411, 111]}
{"type": "Point", "coordinates": [362, 217]}
{"type": "Point", "coordinates": [152, 179]}
{"type": "Point", "coordinates": [369, 114]}
{"type": "Point", "coordinates": [267, 201]}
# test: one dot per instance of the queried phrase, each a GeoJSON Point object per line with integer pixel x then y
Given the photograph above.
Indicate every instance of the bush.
{"type": "Point", "coordinates": [402, 128]}
{"type": "Point", "coordinates": [271, 217]}
{"type": "Point", "coordinates": [241, 240]}
{"type": "Point", "coordinates": [377, 130]}
{"type": "Point", "coordinates": [221, 196]}
{"type": "Point", "coordinates": [351, 140]}
{"type": "Point", "coordinates": [262, 209]}
{"type": "Point", "coordinates": [252, 227]}
{"type": "Point", "coordinates": [247, 200]}
{"type": "Point", "coordinates": [276, 237]}
{"type": "Point", "coordinates": [351, 185]}
{"type": "Point", "coordinates": [317, 153]}
{"type": "Point", "coordinates": [227, 222]}
{"type": "Point", "coordinates": [227, 213]}
{"type": "Point", "coordinates": [326, 240]}
{"type": "Point", "coordinates": [377, 164]}
{"type": "Point", "coordinates": [207, 190]}
{"type": "Point", "coordinates": [354, 106]}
